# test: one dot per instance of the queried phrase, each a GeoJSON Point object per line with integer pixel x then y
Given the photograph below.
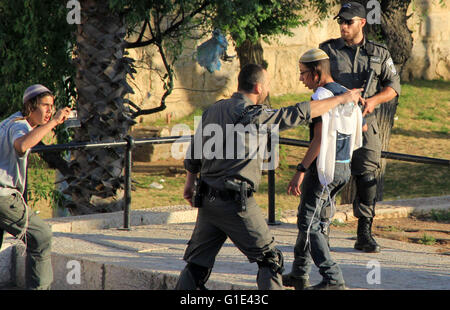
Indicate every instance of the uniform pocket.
{"type": "Point", "coordinates": [12, 208]}
{"type": "Point", "coordinates": [376, 67]}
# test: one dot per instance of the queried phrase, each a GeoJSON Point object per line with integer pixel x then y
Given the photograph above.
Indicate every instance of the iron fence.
{"type": "Point", "coordinates": [129, 143]}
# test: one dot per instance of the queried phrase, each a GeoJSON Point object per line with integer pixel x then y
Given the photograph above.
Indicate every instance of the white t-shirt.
{"type": "Point", "coordinates": [13, 168]}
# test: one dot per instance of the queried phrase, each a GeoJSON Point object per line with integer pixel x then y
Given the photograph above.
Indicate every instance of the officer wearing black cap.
{"type": "Point", "coordinates": [352, 56]}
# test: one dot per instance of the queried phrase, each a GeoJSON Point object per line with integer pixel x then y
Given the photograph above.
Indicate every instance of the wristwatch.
{"type": "Point", "coordinates": [301, 168]}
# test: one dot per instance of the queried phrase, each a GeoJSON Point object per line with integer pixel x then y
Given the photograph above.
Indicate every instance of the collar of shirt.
{"type": "Point", "coordinates": [341, 44]}
{"type": "Point", "coordinates": [241, 96]}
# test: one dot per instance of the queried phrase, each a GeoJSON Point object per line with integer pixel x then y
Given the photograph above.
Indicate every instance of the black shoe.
{"type": "Point", "coordinates": [299, 283]}
{"type": "Point", "coordinates": [326, 285]}
{"type": "Point", "coordinates": [364, 240]}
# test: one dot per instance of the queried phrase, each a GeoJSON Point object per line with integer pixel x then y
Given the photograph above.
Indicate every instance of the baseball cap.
{"type": "Point", "coordinates": [350, 10]}
{"type": "Point", "coordinates": [312, 55]}
{"type": "Point", "coordinates": [33, 91]}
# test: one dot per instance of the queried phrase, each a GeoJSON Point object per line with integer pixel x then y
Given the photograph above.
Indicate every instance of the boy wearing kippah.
{"type": "Point", "coordinates": [323, 172]}
{"type": "Point", "coordinates": [18, 134]}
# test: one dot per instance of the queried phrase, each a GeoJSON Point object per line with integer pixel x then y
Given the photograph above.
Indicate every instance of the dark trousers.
{"type": "Point", "coordinates": [313, 196]}
{"type": "Point", "coordinates": [366, 160]}
{"type": "Point", "coordinates": [38, 272]}
{"type": "Point", "coordinates": [248, 230]}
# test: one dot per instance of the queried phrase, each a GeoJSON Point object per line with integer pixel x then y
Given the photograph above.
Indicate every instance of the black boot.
{"type": "Point", "coordinates": [299, 283]}
{"type": "Point", "coordinates": [364, 240]}
{"type": "Point", "coordinates": [326, 285]}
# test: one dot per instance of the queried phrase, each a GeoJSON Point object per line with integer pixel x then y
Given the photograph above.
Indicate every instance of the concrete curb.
{"type": "Point", "coordinates": [97, 275]}
{"type": "Point", "coordinates": [83, 223]}
{"type": "Point", "coordinates": [6, 258]}
{"type": "Point", "coordinates": [389, 209]}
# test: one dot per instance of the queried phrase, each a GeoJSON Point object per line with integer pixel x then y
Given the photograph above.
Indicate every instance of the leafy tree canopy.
{"type": "Point", "coordinates": [35, 47]}
{"type": "Point", "coordinates": [36, 41]}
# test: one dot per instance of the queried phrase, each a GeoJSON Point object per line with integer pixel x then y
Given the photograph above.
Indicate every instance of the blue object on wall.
{"type": "Point", "coordinates": [210, 52]}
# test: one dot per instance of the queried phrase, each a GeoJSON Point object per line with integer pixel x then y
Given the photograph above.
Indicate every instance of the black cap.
{"type": "Point", "coordinates": [350, 10]}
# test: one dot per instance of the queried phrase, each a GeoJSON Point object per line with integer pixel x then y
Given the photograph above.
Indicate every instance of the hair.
{"type": "Point", "coordinates": [31, 105]}
{"type": "Point", "coordinates": [250, 75]}
{"type": "Point", "coordinates": [321, 67]}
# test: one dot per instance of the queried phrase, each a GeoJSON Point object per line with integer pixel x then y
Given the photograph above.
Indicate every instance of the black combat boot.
{"type": "Point", "coordinates": [364, 240]}
{"type": "Point", "coordinates": [326, 285]}
{"type": "Point", "coordinates": [299, 283]}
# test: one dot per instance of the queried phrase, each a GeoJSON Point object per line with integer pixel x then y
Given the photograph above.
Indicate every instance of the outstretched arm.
{"type": "Point", "coordinates": [320, 107]}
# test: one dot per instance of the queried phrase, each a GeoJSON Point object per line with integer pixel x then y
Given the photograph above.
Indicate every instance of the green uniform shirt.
{"type": "Point", "coordinates": [350, 65]}
{"type": "Point", "coordinates": [215, 151]}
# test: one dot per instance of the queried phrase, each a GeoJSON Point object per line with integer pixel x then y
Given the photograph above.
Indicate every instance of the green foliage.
{"type": "Point", "coordinates": [427, 240]}
{"type": "Point", "coordinates": [440, 215]}
{"type": "Point", "coordinates": [35, 47]}
{"type": "Point", "coordinates": [338, 223]}
{"type": "Point", "coordinates": [41, 187]}
{"type": "Point", "coordinates": [36, 42]}
{"type": "Point", "coordinates": [252, 20]}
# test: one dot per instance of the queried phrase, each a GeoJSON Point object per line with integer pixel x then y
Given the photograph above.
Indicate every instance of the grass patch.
{"type": "Point", "coordinates": [424, 106]}
{"type": "Point", "coordinates": [427, 240]}
{"type": "Point", "coordinates": [338, 223]}
{"type": "Point", "coordinates": [442, 216]}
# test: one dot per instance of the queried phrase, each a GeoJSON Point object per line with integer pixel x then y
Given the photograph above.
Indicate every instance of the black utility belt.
{"type": "Point", "coordinates": [234, 190]}
{"type": "Point", "coordinates": [225, 194]}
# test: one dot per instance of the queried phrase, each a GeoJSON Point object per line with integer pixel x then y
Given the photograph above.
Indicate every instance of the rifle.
{"type": "Point", "coordinates": [368, 83]}
{"type": "Point", "coordinates": [366, 88]}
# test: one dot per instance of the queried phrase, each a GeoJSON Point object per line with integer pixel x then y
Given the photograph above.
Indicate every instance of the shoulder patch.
{"type": "Point", "coordinates": [391, 66]}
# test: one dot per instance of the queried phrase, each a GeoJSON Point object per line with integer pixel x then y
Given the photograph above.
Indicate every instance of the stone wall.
{"type": "Point", "coordinates": [196, 87]}
{"type": "Point", "coordinates": [430, 57]}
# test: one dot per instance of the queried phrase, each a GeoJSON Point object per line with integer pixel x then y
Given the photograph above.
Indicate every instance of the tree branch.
{"type": "Point", "coordinates": [174, 27]}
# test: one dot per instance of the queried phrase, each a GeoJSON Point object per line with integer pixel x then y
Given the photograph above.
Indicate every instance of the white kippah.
{"type": "Point", "coordinates": [314, 54]}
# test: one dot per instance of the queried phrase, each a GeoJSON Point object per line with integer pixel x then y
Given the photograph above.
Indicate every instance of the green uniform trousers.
{"type": "Point", "coordinates": [38, 270]}
{"type": "Point", "coordinates": [248, 230]}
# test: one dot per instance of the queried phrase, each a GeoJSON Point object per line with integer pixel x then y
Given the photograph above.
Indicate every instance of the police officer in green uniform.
{"type": "Point", "coordinates": [223, 172]}
{"type": "Point", "coordinates": [351, 58]}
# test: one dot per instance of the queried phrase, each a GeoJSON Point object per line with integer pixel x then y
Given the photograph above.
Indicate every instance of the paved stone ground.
{"type": "Point", "coordinates": [159, 248]}
{"type": "Point", "coordinates": [149, 256]}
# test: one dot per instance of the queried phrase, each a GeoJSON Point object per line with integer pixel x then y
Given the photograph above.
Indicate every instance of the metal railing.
{"type": "Point", "coordinates": [129, 143]}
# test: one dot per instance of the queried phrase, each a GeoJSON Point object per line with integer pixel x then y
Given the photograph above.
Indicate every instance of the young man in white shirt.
{"type": "Point", "coordinates": [18, 134]}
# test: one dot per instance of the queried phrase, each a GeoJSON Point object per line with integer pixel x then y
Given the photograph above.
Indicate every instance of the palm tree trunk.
{"type": "Point", "coordinates": [101, 85]}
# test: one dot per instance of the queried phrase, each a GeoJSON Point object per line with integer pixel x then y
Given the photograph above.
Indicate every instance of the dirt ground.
{"type": "Point", "coordinates": [410, 229]}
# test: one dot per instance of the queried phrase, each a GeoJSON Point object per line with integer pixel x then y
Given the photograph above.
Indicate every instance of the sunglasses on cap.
{"type": "Point", "coordinates": [348, 22]}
